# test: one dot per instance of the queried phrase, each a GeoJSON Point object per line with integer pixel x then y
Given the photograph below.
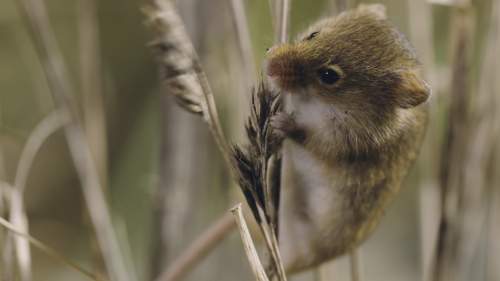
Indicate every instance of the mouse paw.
{"type": "Point", "coordinates": [284, 126]}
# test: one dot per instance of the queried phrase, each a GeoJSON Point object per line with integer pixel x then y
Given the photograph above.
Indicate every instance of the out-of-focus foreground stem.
{"type": "Point", "coordinates": [35, 14]}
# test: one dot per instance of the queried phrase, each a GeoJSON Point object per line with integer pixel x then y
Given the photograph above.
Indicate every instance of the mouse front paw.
{"type": "Point", "coordinates": [284, 126]}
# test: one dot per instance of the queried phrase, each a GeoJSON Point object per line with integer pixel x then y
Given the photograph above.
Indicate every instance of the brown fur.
{"type": "Point", "coordinates": [349, 143]}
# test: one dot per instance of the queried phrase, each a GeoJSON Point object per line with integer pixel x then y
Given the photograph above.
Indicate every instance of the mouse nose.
{"type": "Point", "coordinates": [282, 60]}
{"type": "Point", "coordinates": [285, 67]}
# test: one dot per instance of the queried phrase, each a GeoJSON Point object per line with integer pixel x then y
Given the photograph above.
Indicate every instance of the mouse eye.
{"type": "Point", "coordinates": [312, 35]}
{"type": "Point", "coordinates": [329, 75]}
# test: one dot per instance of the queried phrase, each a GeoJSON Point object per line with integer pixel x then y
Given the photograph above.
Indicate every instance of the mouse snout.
{"type": "Point", "coordinates": [285, 67]}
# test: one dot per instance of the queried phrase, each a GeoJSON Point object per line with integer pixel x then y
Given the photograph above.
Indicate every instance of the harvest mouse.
{"type": "Point", "coordinates": [353, 121]}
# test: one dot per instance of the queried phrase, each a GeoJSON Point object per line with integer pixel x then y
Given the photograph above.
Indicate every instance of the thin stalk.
{"type": "Point", "coordinates": [48, 126]}
{"type": "Point", "coordinates": [201, 247]}
{"type": "Point", "coordinates": [246, 238]}
{"type": "Point", "coordinates": [273, 4]}
{"type": "Point", "coordinates": [283, 21]}
{"type": "Point", "coordinates": [171, 31]}
{"type": "Point", "coordinates": [493, 270]}
{"type": "Point", "coordinates": [165, 14]}
{"type": "Point", "coordinates": [7, 247]}
{"type": "Point", "coordinates": [18, 216]}
{"type": "Point", "coordinates": [272, 245]}
{"type": "Point", "coordinates": [484, 135]}
{"type": "Point", "coordinates": [49, 251]}
{"type": "Point", "coordinates": [421, 32]}
{"type": "Point", "coordinates": [281, 37]}
{"type": "Point", "coordinates": [90, 77]}
{"type": "Point", "coordinates": [244, 41]}
{"type": "Point", "coordinates": [211, 116]}
{"type": "Point", "coordinates": [172, 39]}
{"type": "Point", "coordinates": [355, 262]}
{"type": "Point", "coordinates": [42, 35]}
{"type": "Point", "coordinates": [2, 158]}
{"type": "Point", "coordinates": [94, 122]}
{"type": "Point", "coordinates": [453, 160]}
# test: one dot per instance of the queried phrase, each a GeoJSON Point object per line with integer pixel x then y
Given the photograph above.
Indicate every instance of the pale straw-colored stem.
{"type": "Point", "coordinates": [18, 217]}
{"type": "Point", "coordinates": [246, 238]}
{"type": "Point", "coordinates": [35, 15]}
{"type": "Point", "coordinates": [355, 263]}
{"type": "Point", "coordinates": [201, 247]}
{"type": "Point", "coordinates": [165, 14]}
{"type": "Point", "coordinates": [283, 21]}
{"type": "Point", "coordinates": [47, 250]}
{"type": "Point", "coordinates": [244, 41]}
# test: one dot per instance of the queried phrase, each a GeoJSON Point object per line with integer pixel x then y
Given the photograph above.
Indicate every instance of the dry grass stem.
{"type": "Point", "coordinates": [92, 99]}
{"type": "Point", "coordinates": [493, 254]}
{"type": "Point", "coordinates": [18, 217]}
{"type": "Point", "coordinates": [94, 114]}
{"type": "Point", "coordinates": [182, 74]}
{"type": "Point", "coordinates": [48, 51]}
{"type": "Point", "coordinates": [175, 55]}
{"type": "Point", "coordinates": [355, 262]}
{"type": "Point", "coordinates": [280, 10]}
{"type": "Point", "coordinates": [47, 250]}
{"type": "Point", "coordinates": [2, 162]}
{"type": "Point", "coordinates": [8, 247]}
{"type": "Point", "coordinates": [421, 22]}
{"type": "Point", "coordinates": [253, 257]}
{"type": "Point", "coordinates": [453, 161]}
{"type": "Point", "coordinates": [181, 69]}
{"type": "Point", "coordinates": [244, 41]}
{"type": "Point", "coordinates": [443, 2]}
{"type": "Point", "coordinates": [49, 125]}
{"type": "Point", "coordinates": [199, 249]}
{"type": "Point", "coordinates": [254, 170]}
{"type": "Point", "coordinates": [283, 13]}
{"type": "Point", "coordinates": [273, 8]}
{"type": "Point", "coordinates": [178, 59]}
{"type": "Point", "coordinates": [480, 200]}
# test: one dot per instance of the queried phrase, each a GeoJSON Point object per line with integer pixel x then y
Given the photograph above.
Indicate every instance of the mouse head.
{"type": "Point", "coordinates": [356, 61]}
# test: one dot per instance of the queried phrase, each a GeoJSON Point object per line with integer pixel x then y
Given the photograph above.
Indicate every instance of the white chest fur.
{"type": "Point", "coordinates": [309, 110]}
{"type": "Point", "coordinates": [317, 217]}
{"type": "Point", "coordinates": [311, 208]}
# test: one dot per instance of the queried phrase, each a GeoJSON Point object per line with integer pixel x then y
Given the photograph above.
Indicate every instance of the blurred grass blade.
{"type": "Point", "coordinates": [182, 71]}
{"type": "Point", "coordinates": [176, 56]}
{"type": "Point", "coordinates": [50, 124]}
{"type": "Point", "coordinates": [35, 14]}
{"type": "Point", "coordinates": [283, 21]}
{"type": "Point", "coordinates": [200, 248]}
{"type": "Point", "coordinates": [49, 251]}
{"type": "Point", "coordinates": [453, 160]}
{"type": "Point", "coordinates": [245, 43]}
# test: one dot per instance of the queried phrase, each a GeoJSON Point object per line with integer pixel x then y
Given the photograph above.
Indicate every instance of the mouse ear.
{"type": "Point", "coordinates": [378, 10]}
{"type": "Point", "coordinates": [411, 89]}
